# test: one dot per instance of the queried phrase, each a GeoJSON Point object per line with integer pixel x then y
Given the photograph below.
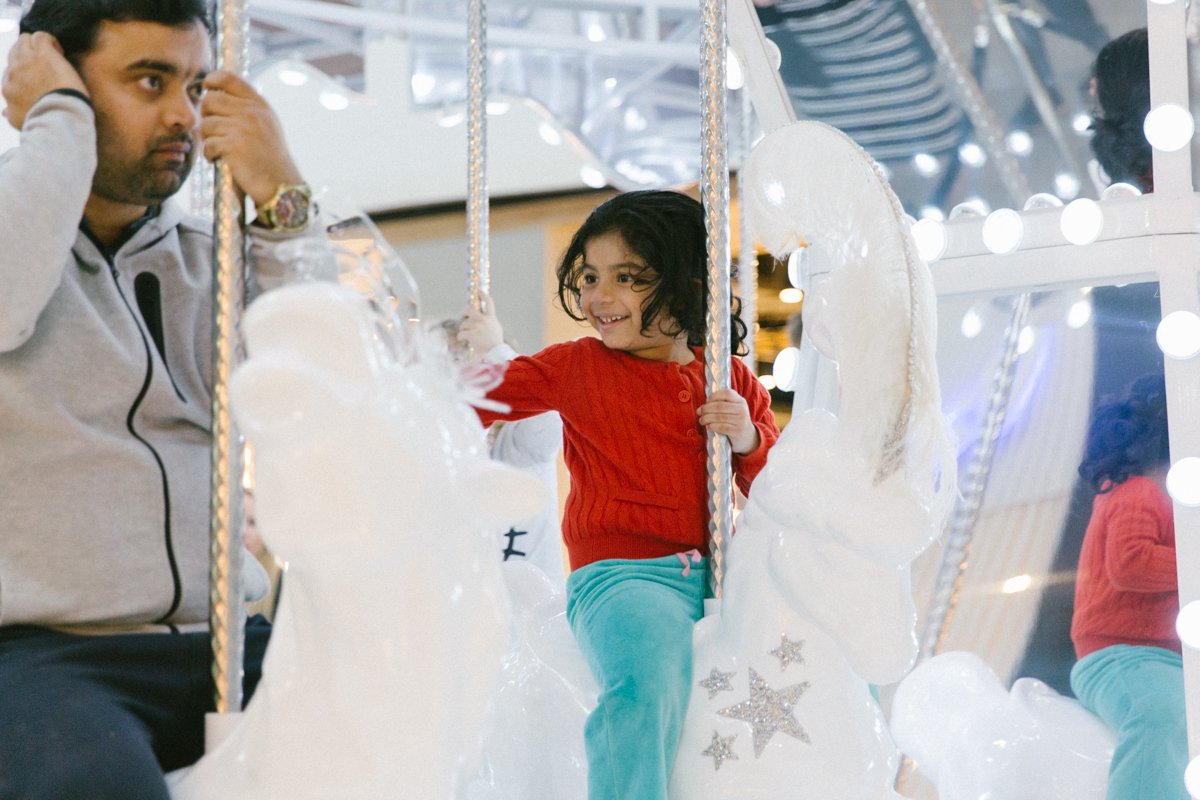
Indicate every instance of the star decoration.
{"type": "Point", "coordinates": [769, 710]}
{"type": "Point", "coordinates": [717, 681]}
{"type": "Point", "coordinates": [787, 652]}
{"type": "Point", "coordinates": [720, 749]}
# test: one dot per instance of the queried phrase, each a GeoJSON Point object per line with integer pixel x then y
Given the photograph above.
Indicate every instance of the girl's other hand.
{"type": "Point", "coordinates": [726, 412]}
{"type": "Point", "coordinates": [480, 329]}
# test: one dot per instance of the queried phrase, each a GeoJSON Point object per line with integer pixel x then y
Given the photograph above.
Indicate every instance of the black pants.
{"type": "Point", "coordinates": [103, 717]}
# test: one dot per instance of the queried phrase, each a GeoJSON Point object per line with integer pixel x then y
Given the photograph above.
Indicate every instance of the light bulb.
{"type": "Point", "coordinates": [1178, 335]}
{"type": "Point", "coordinates": [1169, 127]}
{"type": "Point", "coordinates": [1187, 624]}
{"type": "Point", "coordinates": [930, 237]}
{"type": "Point", "coordinates": [1002, 231]}
{"type": "Point", "coordinates": [1082, 221]}
{"type": "Point", "coordinates": [786, 368]}
{"type": "Point", "coordinates": [1183, 481]}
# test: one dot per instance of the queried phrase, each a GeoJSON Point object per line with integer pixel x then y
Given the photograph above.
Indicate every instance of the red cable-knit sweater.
{"type": "Point", "coordinates": [1126, 588]}
{"type": "Point", "coordinates": [632, 444]}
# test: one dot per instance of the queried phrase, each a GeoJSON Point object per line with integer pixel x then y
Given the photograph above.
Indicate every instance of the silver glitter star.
{"type": "Point", "coordinates": [717, 681]}
{"type": "Point", "coordinates": [720, 749]}
{"type": "Point", "coordinates": [787, 652]}
{"type": "Point", "coordinates": [769, 710]}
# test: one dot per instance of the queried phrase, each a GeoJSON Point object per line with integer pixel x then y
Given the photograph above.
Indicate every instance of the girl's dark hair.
{"type": "Point", "coordinates": [1128, 437]}
{"type": "Point", "coordinates": [666, 229]}
{"type": "Point", "coordinates": [76, 23]}
{"type": "Point", "coordinates": [1122, 73]}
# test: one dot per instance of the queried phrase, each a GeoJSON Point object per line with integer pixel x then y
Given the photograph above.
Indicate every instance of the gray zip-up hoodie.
{"type": "Point", "coordinates": [104, 398]}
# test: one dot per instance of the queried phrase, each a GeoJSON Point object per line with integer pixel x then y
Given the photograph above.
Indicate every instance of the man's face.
{"type": "Point", "coordinates": [145, 81]}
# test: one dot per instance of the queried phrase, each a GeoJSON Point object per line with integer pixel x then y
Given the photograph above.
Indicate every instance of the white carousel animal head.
{"type": "Point", "coordinates": [974, 739]}
{"type": "Point", "coordinates": [852, 499]}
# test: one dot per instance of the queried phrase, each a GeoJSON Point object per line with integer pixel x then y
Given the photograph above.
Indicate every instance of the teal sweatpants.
{"type": "Point", "coordinates": [1138, 692]}
{"type": "Point", "coordinates": [633, 621]}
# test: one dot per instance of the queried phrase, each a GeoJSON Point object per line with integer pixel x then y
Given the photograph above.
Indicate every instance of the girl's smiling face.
{"type": "Point", "coordinates": [614, 284]}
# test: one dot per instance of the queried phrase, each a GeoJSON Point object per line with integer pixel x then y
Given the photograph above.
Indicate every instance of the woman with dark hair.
{"type": "Point", "coordinates": [1122, 85]}
{"type": "Point", "coordinates": [1130, 668]}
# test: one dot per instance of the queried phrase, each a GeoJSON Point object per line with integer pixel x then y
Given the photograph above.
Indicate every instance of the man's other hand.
{"type": "Point", "coordinates": [36, 66]}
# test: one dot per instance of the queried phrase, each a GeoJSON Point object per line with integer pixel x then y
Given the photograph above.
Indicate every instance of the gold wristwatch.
{"type": "Point", "coordinates": [289, 208]}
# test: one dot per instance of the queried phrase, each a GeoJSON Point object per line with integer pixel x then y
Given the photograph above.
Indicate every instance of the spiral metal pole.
{"type": "Point", "coordinates": [747, 256]}
{"type": "Point", "coordinates": [714, 192]}
{"type": "Point", "coordinates": [226, 608]}
{"type": "Point", "coordinates": [479, 276]}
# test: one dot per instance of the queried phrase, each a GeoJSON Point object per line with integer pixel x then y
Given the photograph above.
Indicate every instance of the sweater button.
{"type": "Point", "coordinates": [684, 396]}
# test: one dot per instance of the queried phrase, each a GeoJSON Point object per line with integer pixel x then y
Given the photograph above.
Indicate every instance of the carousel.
{"type": "Point", "coordinates": [849, 650]}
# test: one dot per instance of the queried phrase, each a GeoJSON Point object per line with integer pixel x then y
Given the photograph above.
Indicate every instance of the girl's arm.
{"type": "Point", "coordinates": [1136, 555]}
{"type": "Point", "coordinates": [744, 414]}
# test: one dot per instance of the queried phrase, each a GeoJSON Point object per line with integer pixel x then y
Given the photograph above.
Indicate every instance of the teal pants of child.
{"type": "Point", "coordinates": [1138, 692]}
{"type": "Point", "coordinates": [633, 621]}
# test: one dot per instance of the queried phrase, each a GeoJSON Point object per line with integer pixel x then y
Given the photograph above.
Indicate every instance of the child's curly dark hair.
{"type": "Point", "coordinates": [1122, 73]}
{"type": "Point", "coordinates": [666, 229]}
{"type": "Point", "coordinates": [1127, 437]}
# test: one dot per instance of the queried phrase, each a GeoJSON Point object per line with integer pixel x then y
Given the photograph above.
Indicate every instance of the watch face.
{"type": "Point", "coordinates": [291, 209]}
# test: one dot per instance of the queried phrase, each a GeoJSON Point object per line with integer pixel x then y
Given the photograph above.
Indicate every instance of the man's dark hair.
{"type": "Point", "coordinates": [1122, 73]}
{"type": "Point", "coordinates": [667, 230]}
{"type": "Point", "coordinates": [76, 23]}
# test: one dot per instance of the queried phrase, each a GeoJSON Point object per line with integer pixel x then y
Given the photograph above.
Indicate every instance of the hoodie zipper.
{"type": "Point", "coordinates": [177, 594]}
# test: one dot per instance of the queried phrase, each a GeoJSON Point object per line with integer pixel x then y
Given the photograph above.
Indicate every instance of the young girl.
{"type": "Point", "coordinates": [634, 417]}
{"type": "Point", "coordinates": [1130, 671]}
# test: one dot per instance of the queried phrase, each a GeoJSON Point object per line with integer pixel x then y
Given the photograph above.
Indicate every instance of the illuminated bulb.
{"type": "Point", "coordinates": [634, 121]}
{"type": "Point", "coordinates": [497, 107]}
{"type": "Point", "coordinates": [1081, 221]}
{"type": "Point", "coordinates": [1079, 313]}
{"type": "Point", "coordinates": [1120, 191]}
{"type": "Point", "coordinates": [971, 207]}
{"type": "Point", "coordinates": [448, 119]}
{"type": "Point", "coordinates": [1183, 481]}
{"type": "Point", "coordinates": [549, 133]}
{"type": "Point", "coordinates": [1191, 777]}
{"type": "Point", "coordinates": [1017, 583]}
{"type": "Point", "coordinates": [595, 33]}
{"type": "Point", "coordinates": [926, 165]}
{"type": "Point", "coordinates": [972, 155]}
{"type": "Point", "coordinates": [593, 177]}
{"type": "Point", "coordinates": [289, 76]}
{"type": "Point", "coordinates": [930, 237]}
{"type": "Point", "coordinates": [1169, 127]}
{"type": "Point", "coordinates": [1002, 231]}
{"type": "Point", "coordinates": [790, 295]}
{"type": "Point", "coordinates": [1019, 142]}
{"type": "Point", "coordinates": [797, 266]}
{"type": "Point", "coordinates": [1081, 123]}
{"type": "Point", "coordinates": [932, 212]}
{"type": "Point", "coordinates": [735, 76]}
{"type": "Point", "coordinates": [1025, 340]}
{"type": "Point", "coordinates": [1067, 185]}
{"type": "Point", "coordinates": [972, 324]}
{"type": "Point", "coordinates": [1178, 335]}
{"type": "Point", "coordinates": [334, 101]}
{"type": "Point", "coordinates": [422, 84]}
{"type": "Point", "coordinates": [786, 369]}
{"type": "Point", "coordinates": [1043, 200]}
{"type": "Point", "coordinates": [1187, 624]}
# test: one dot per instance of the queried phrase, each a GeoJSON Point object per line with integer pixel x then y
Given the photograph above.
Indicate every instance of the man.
{"type": "Point", "coordinates": [105, 422]}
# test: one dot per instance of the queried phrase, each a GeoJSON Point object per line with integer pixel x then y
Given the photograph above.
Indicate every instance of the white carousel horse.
{"type": "Point", "coordinates": [374, 484]}
{"type": "Point", "coordinates": [974, 739]}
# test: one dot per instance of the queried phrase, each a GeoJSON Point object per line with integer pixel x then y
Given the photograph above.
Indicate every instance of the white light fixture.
{"type": "Point", "coordinates": [448, 119]}
{"type": "Point", "coordinates": [1183, 481]}
{"type": "Point", "coordinates": [1043, 200]}
{"type": "Point", "coordinates": [932, 212]}
{"type": "Point", "coordinates": [1191, 777]}
{"type": "Point", "coordinates": [1081, 123]}
{"type": "Point", "coordinates": [291, 76]}
{"type": "Point", "coordinates": [1120, 191]}
{"type": "Point", "coordinates": [786, 368]}
{"type": "Point", "coordinates": [496, 108]}
{"type": "Point", "coordinates": [1025, 340]}
{"type": "Point", "coordinates": [1178, 335]}
{"type": "Point", "coordinates": [769, 382]}
{"type": "Point", "coordinates": [592, 176]}
{"type": "Point", "coordinates": [1079, 313]}
{"type": "Point", "coordinates": [1187, 624]}
{"type": "Point", "coordinates": [1019, 142]}
{"type": "Point", "coordinates": [595, 33]}
{"type": "Point", "coordinates": [1017, 583]}
{"type": "Point", "coordinates": [634, 121]}
{"type": "Point", "coordinates": [422, 85]}
{"type": "Point", "coordinates": [926, 165]}
{"type": "Point", "coordinates": [971, 207]}
{"type": "Point", "coordinates": [1066, 185]}
{"type": "Point", "coordinates": [334, 100]}
{"type": "Point", "coordinates": [1002, 231]}
{"type": "Point", "coordinates": [972, 324]}
{"type": "Point", "coordinates": [972, 155]}
{"type": "Point", "coordinates": [1081, 221]}
{"type": "Point", "coordinates": [735, 76]}
{"type": "Point", "coordinates": [791, 295]}
{"type": "Point", "coordinates": [1169, 127]}
{"type": "Point", "coordinates": [549, 133]}
{"type": "Point", "coordinates": [930, 237]}
{"type": "Point", "coordinates": [610, 83]}
{"type": "Point", "coordinates": [797, 266]}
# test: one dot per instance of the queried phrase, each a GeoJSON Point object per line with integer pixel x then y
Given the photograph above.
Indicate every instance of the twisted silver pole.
{"type": "Point", "coordinates": [479, 276]}
{"type": "Point", "coordinates": [226, 607]}
{"type": "Point", "coordinates": [714, 193]}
